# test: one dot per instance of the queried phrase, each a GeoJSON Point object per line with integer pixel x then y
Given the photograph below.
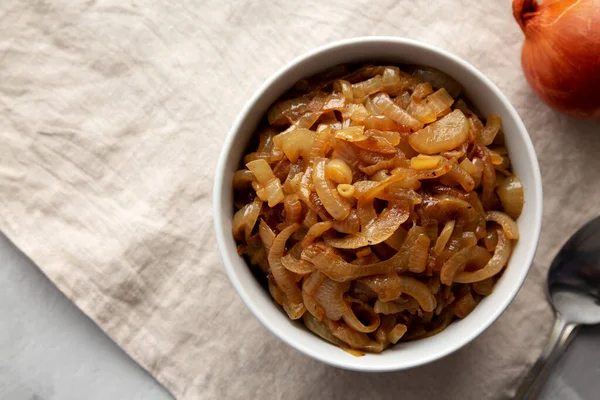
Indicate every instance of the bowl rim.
{"type": "Point", "coordinates": [469, 336]}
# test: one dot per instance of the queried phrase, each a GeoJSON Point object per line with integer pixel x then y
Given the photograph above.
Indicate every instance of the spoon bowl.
{"type": "Point", "coordinates": [574, 291]}
{"type": "Point", "coordinates": [574, 277]}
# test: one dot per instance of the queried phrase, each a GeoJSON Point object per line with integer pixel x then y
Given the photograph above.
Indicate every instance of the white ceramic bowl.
{"type": "Point", "coordinates": [485, 96]}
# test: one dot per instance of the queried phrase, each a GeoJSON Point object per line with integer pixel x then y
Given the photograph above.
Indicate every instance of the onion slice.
{"type": "Point", "coordinates": [438, 79]}
{"type": "Point", "coordinates": [391, 110]}
{"type": "Point", "coordinates": [387, 287]}
{"type": "Point", "coordinates": [510, 227]}
{"type": "Point", "coordinates": [392, 307]}
{"type": "Point", "coordinates": [266, 234]}
{"type": "Point", "coordinates": [445, 134]}
{"type": "Point", "coordinates": [492, 127]}
{"type": "Point", "coordinates": [419, 253]}
{"type": "Point", "coordinates": [493, 267]}
{"type": "Point", "coordinates": [299, 267]}
{"type": "Point", "coordinates": [366, 312]}
{"type": "Point", "coordinates": [330, 296]}
{"type": "Point", "coordinates": [459, 261]}
{"type": "Point", "coordinates": [320, 329]}
{"type": "Point", "coordinates": [440, 244]}
{"type": "Point", "coordinates": [376, 231]}
{"type": "Point", "coordinates": [284, 279]}
{"type": "Point", "coordinates": [310, 285]}
{"type": "Point", "coordinates": [336, 268]}
{"type": "Point", "coordinates": [264, 174]}
{"type": "Point", "coordinates": [242, 178]}
{"type": "Point", "coordinates": [354, 339]}
{"type": "Point", "coordinates": [245, 219]}
{"type": "Point", "coordinates": [397, 332]}
{"type": "Point", "coordinates": [332, 201]}
{"type": "Point", "coordinates": [511, 196]}
{"type": "Point", "coordinates": [316, 231]}
{"type": "Point", "coordinates": [350, 225]}
{"type": "Point", "coordinates": [419, 291]}
{"type": "Point", "coordinates": [464, 305]}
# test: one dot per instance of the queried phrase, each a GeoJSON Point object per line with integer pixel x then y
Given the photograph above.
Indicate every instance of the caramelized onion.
{"type": "Point", "coordinates": [293, 209]}
{"type": "Point", "coordinates": [397, 332]}
{"type": "Point", "coordinates": [440, 244]}
{"type": "Point", "coordinates": [488, 179]}
{"type": "Point", "coordinates": [445, 134]}
{"type": "Point", "coordinates": [242, 178]}
{"type": "Point", "coordinates": [419, 291]}
{"type": "Point", "coordinates": [388, 308]}
{"type": "Point", "coordinates": [309, 289]}
{"type": "Point", "coordinates": [378, 205]}
{"type": "Point", "coordinates": [440, 102]}
{"type": "Point", "coordinates": [492, 127]}
{"type": "Point", "coordinates": [464, 305]}
{"type": "Point", "coordinates": [338, 171]}
{"type": "Point", "coordinates": [376, 231]}
{"type": "Point", "coordinates": [345, 190]}
{"type": "Point", "coordinates": [391, 110]}
{"type": "Point", "coordinates": [267, 236]}
{"type": "Point", "coordinates": [352, 134]}
{"type": "Point", "coordinates": [288, 111]}
{"type": "Point", "coordinates": [245, 219]}
{"type": "Point", "coordinates": [418, 254]}
{"type": "Point", "coordinates": [276, 293]}
{"type": "Point", "coordinates": [484, 287]}
{"type": "Point", "coordinates": [350, 225]}
{"type": "Point", "coordinates": [493, 267]}
{"type": "Point", "coordinates": [390, 79]}
{"type": "Point", "coordinates": [438, 79]}
{"type": "Point", "coordinates": [264, 174]}
{"type": "Point", "coordinates": [391, 136]}
{"type": "Point", "coordinates": [511, 196]}
{"type": "Point", "coordinates": [334, 266]}
{"type": "Point", "coordinates": [462, 177]}
{"type": "Point", "coordinates": [385, 327]}
{"type": "Point", "coordinates": [315, 231]}
{"type": "Point", "coordinates": [507, 223]}
{"type": "Point", "coordinates": [376, 144]}
{"type": "Point", "coordinates": [366, 312]}
{"type": "Point", "coordinates": [320, 329]}
{"type": "Point", "coordinates": [354, 339]}
{"type": "Point", "coordinates": [395, 241]}
{"type": "Point", "coordinates": [320, 144]}
{"type": "Point", "coordinates": [299, 267]}
{"type": "Point", "coordinates": [459, 261]}
{"type": "Point", "coordinates": [297, 143]}
{"type": "Point", "coordinates": [284, 279]}
{"type": "Point", "coordinates": [386, 164]}
{"type": "Point", "coordinates": [421, 91]}
{"type": "Point", "coordinates": [387, 287]}
{"type": "Point", "coordinates": [345, 88]}
{"type": "Point", "coordinates": [333, 203]}
{"type": "Point", "coordinates": [383, 123]}
{"type": "Point", "coordinates": [330, 296]}
{"type": "Point", "coordinates": [491, 239]}
{"type": "Point", "coordinates": [362, 89]}
{"type": "Point", "coordinates": [423, 161]}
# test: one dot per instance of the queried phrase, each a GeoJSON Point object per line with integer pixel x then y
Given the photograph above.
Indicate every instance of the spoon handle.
{"type": "Point", "coordinates": [559, 340]}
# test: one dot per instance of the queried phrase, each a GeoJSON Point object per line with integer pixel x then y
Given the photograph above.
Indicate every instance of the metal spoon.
{"type": "Point", "coordinates": [574, 288]}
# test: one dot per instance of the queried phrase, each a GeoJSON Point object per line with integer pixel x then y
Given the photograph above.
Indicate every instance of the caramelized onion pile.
{"type": "Point", "coordinates": [377, 204]}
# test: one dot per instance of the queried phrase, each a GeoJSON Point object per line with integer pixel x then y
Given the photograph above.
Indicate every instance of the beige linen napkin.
{"type": "Point", "coordinates": [112, 117]}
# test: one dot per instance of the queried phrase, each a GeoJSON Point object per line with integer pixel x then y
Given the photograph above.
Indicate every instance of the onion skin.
{"type": "Point", "coordinates": [560, 53]}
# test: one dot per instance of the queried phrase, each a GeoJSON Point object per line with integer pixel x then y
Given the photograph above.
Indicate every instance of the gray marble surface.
{"type": "Point", "coordinates": [49, 350]}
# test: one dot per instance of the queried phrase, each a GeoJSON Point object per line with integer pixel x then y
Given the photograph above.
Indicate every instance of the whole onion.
{"type": "Point", "coordinates": [561, 53]}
